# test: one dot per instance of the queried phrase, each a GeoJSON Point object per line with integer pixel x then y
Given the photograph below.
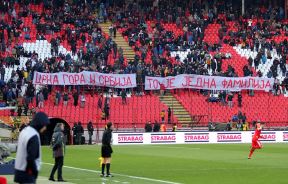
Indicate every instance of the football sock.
{"type": "Point", "coordinates": [103, 168]}
{"type": "Point", "coordinates": [251, 152]}
{"type": "Point", "coordinates": [108, 168]}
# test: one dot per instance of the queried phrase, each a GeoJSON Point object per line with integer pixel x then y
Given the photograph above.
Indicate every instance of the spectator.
{"type": "Point", "coordinates": [103, 115]}
{"type": "Point", "coordinates": [162, 90]}
{"type": "Point", "coordinates": [19, 110]}
{"type": "Point", "coordinates": [162, 115]}
{"type": "Point", "coordinates": [229, 126]}
{"type": "Point", "coordinates": [76, 98]}
{"type": "Point", "coordinates": [174, 128]}
{"type": "Point", "coordinates": [245, 126]}
{"type": "Point", "coordinates": [107, 111]}
{"type": "Point", "coordinates": [65, 99]}
{"type": "Point", "coordinates": [99, 103]}
{"type": "Point", "coordinates": [74, 130]}
{"type": "Point", "coordinates": [239, 99]}
{"type": "Point", "coordinates": [79, 133]}
{"type": "Point", "coordinates": [230, 100]}
{"type": "Point", "coordinates": [211, 127]}
{"type": "Point", "coordinates": [148, 127]}
{"type": "Point", "coordinates": [235, 118]}
{"type": "Point", "coordinates": [111, 30]}
{"type": "Point", "coordinates": [90, 129]}
{"type": "Point", "coordinates": [40, 100]}
{"type": "Point", "coordinates": [123, 96]}
{"type": "Point", "coordinates": [25, 109]}
{"type": "Point", "coordinates": [244, 118]}
{"type": "Point", "coordinates": [2, 73]}
{"type": "Point", "coordinates": [45, 93]}
{"type": "Point", "coordinates": [57, 97]}
{"type": "Point", "coordinates": [114, 31]}
{"type": "Point", "coordinates": [169, 115]}
{"type": "Point", "coordinates": [222, 96]}
{"type": "Point", "coordinates": [239, 126]}
{"type": "Point", "coordinates": [83, 100]}
{"type": "Point", "coordinates": [163, 127]}
{"type": "Point", "coordinates": [156, 127]}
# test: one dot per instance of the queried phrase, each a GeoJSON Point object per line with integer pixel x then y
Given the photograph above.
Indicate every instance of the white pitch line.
{"type": "Point", "coordinates": [123, 175]}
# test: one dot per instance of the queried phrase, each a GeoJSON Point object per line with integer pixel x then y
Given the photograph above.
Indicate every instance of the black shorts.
{"type": "Point", "coordinates": [106, 151]}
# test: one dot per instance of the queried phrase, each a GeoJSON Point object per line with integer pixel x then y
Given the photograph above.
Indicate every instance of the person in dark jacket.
{"type": "Point", "coordinates": [75, 97]}
{"type": "Point", "coordinates": [58, 146]}
{"type": "Point", "coordinates": [28, 156]}
{"type": "Point", "coordinates": [90, 131]}
{"type": "Point", "coordinates": [169, 115]}
{"type": "Point", "coordinates": [230, 100]}
{"type": "Point", "coordinates": [239, 99]}
{"type": "Point", "coordinates": [74, 133]}
{"type": "Point", "coordinates": [123, 96]}
{"type": "Point", "coordinates": [65, 99]}
{"type": "Point", "coordinates": [45, 93]}
{"type": "Point", "coordinates": [19, 110]}
{"type": "Point", "coordinates": [100, 102]}
{"type": "Point", "coordinates": [106, 150]}
{"type": "Point", "coordinates": [79, 133]}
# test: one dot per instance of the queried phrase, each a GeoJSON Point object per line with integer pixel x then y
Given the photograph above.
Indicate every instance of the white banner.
{"type": "Point", "coordinates": [197, 137]}
{"type": "Point", "coordinates": [209, 82]}
{"type": "Point", "coordinates": [86, 78]}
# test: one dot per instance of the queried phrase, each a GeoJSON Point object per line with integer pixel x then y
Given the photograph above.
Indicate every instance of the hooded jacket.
{"type": "Point", "coordinates": [28, 156]}
{"type": "Point", "coordinates": [58, 142]}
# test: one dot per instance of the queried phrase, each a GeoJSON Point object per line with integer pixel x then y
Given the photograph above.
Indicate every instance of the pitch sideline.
{"type": "Point", "coordinates": [123, 175]}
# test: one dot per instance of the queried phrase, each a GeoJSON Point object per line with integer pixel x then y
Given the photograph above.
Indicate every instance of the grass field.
{"type": "Point", "coordinates": [194, 163]}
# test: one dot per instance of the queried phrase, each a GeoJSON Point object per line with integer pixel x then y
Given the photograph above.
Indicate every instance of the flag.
{"type": "Point", "coordinates": [100, 160]}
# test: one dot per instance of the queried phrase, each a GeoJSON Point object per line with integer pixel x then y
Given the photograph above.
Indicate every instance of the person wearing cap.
{"type": "Point", "coordinates": [28, 156]}
{"type": "Point", "coordinates": [106, 150]}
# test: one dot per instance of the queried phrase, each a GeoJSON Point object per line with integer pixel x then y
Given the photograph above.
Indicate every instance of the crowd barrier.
{"type": "Point", "coordinates": [197, 137]}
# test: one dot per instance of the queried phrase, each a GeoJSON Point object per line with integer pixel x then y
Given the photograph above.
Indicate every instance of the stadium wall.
{"type": "Point", "coordinates": [197, 137]}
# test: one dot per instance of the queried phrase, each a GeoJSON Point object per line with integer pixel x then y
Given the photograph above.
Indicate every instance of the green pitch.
{"type": "Point", "coordinates": [195, 164]}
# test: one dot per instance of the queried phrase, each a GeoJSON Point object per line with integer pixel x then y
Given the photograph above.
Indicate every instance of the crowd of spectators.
{"type": "Point", "coordinates": [142, 23]}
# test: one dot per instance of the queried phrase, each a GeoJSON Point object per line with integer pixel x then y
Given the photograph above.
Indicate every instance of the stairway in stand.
{"type": "Point", "coordinates": [178, 110]}
{"type": "Point", "coordinates": [128, 51]}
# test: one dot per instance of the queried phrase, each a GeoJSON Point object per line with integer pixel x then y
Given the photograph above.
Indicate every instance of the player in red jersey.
{"type": "Point", "coordinates": [256, 144]}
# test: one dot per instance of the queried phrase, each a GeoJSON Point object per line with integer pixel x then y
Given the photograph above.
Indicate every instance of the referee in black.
{"type": "Point", "coordinates": [106, 150]}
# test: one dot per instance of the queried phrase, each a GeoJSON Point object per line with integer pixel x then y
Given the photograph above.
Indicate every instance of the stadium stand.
{"type": "Point", "coordinates": [164, 38]}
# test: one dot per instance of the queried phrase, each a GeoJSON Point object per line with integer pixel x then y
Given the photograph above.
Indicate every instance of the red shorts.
{"type": "Point", "coordinates": [256, 144]}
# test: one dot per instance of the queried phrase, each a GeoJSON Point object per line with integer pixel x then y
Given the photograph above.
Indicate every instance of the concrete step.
{"type": "Point", "coordinates": [170, 100]}
{"type": "Point", "coordinates": [168, 96]}
{"type": "Point", "coordinates": [120, 39]}
{"type": "Point", "coordinates": [173, 107]}
{"type": "Point", "coordinates": [187, 122]}
{"type": "Point", "coordinates": [184, 120]}
{"type": "Point", "coordinates": [181, 115]}
{"type": "Point", "coordinates": [128, 52]}
{"type": "Point", "coordinates": [173, 104]}
{"type": "Point", "coordinates": [180, 111]}
{"type": "Point", "coordinates": [122, 42]}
